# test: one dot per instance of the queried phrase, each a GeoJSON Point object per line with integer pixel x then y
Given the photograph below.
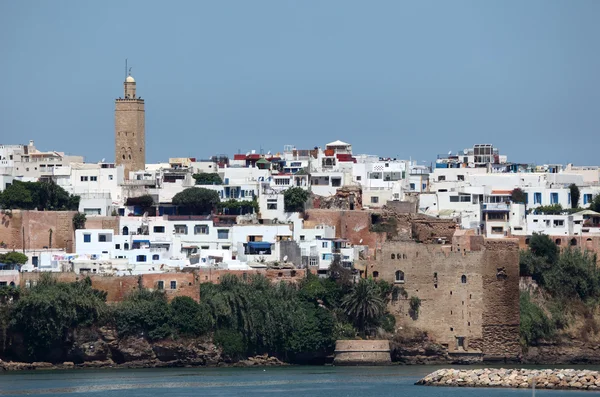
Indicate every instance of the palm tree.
{"type": "Point", "coordinates": [364, 305]}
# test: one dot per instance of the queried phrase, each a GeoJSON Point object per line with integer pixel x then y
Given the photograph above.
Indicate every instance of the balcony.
{"type": "Point", "coordinates": [502, 207]}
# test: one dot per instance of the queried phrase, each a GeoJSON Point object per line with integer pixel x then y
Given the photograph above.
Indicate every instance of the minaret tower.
{"type": "Point", "coordinates": [130, 134]}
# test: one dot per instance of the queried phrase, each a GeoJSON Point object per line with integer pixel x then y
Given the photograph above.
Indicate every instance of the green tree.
{"type": "Point", "coordinates": [13, 258]}
{"type": "Point", "coordinates": [364, 305]}
{"type": "Point", "coordinates": [196, 200]}
{"type": "Point", "coordinates": [79, 221]}
{"type": "Point", "coordinates": [145, 201]}
{"type": "Point", "coordinates": [190, 317]}
{"type": "Point", "coordinates": [205, 178]}
{"type": "Point", "coordinates": [553, 209]}
{"type": "Point", "coordinates": [294, 199]}
{"type": "Point", "coordinates": [49, 312]}
{"type": "Point", "coordinates": [575, 194]}
{"type": "Point", "coordinates": [542, 246]}
{"type": "Point", "coordinates": [45, 196]}
{"type": "Point", "coordinates": [518, 196]}
{"type": "Point", "coordinates": [144, 313]}
{"type": "Point", "coordinates": [17, 196]}
{"type": "Point", "coordinates": [595, 204]}
{"type": "Point", "coordinates": [573, 275]}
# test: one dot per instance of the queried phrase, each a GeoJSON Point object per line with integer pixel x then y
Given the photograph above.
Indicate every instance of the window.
{"type": "Point", "coordinates": [553, 198]}
{"type": "Point", "coordinates": [104, 238]}
{"type": "Point", "coordinates": [225, 247]}
{"type": "Point", "coordinates": [110, 177]}
{"type": "Point", "coordinates": [336, 182]}
{"type": "Point", "coordinates": [412, 186]}
{"type": "Point", "coordinates": [117, 246]}
{"type": "Point", "coordinates": [282, 181]}
{"type": "Point", "coordinates": [313, 261]}
{"type": "Point", "coordinates": [93, 178]}
{"type": "Point", "coordinates": [461, 177]}
{"type": "Point", "coordinates": [140, 258]}
{"type": "Point", "coordinates": [454, 199]}
{"type": "Point", "coordinates": [83, 178]}
{"type": "Point", "coordinates": [587, 198]}
{"type": "Point", "coordinates": [441, 178]}
{"type": "Point", "coordinates": [537, 198]}
{"type": "Point", "coordinates": [159, 229]}
{"type": "Point", "coordinates": [463, 279]}
{"type": "Point", "coordinates": [497, 230]}
{"type": "Point", "coordinates": [87, 238]}
{"type": "Point", "coordinates": [271, 204]}
{"type": "Point", "coordinates": [358, 178]}
{"type": "Point", "coordinates": [399, 276]}
{"type": "Point", "coordinates": [201, 229]}
{"type": "Point", "coordinates": [393, 256]}
{"type": "Point", "coordinates": [465, 198]}
{"type": "Point", "coordinates": [302, 238]}
{"type": "Point", "coordinates": [569, 198]}
{"type": "Point", "coordinates": [327, 257]}
{"type": "Point", "coordinates": [324, 244]}
{"type": "Point", "coordinates": [126, 246]}
{"type": "Point", "coordinates": [155, 257]}
{"type": "Point", "coordinates": [222, 234]}
{"type": "Point", "coordinates": [374, 199]}
{"type": "Point", "coordinates": [375, 274]}
{"type": "Point", "coordinates": [173, 284]}
{"type": "Point", "coordinates": [125, 231]}
{"type": "Point", "coordinates": [557, 241]}
{"type": "Point", "coordinates": [160, 285]}
{"type": "Point", "coordinates": [180, 229]}
{"type": "Point", "coordinates": [495, 216]}
{"type": "Point", "coordinates": [573, 242]}
{"type": "Point", "coordinates": [559, 223]}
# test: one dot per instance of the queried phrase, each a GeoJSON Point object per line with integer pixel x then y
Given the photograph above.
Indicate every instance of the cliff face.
{"type": "Point", "coordinates": [103, 348]}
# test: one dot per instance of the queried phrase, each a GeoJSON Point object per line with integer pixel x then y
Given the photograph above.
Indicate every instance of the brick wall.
{"type": "Point", "coordinates": [36, 226]}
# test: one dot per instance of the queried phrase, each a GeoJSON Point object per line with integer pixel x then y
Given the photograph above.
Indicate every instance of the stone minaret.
{"type": "Point", "coordinates": [130, 134]}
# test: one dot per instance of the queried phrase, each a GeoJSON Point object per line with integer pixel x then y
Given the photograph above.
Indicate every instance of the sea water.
{"type": "Point", "coordinates": [289, 381]}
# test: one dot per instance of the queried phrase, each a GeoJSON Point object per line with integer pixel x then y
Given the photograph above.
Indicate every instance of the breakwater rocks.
{"type": "Point", "coordinates": [515, 378]}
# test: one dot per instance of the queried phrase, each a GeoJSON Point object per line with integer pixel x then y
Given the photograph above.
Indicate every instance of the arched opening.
{"type": "Point", "coordinates": [588, 244]}
{"type": "Point", "coordinates": [527, 240]}
{"type": "Point", "coordinates": [398, 256]}
{"type": "Point", "coordinates": [463, 279]}
{"type": "Point", "coordinates": [126, 246]}
{"type": "Point", "coordinates": [125, 231]}
{"type": "Point", "coordinates": [393, 256]}
{"type": "Point", "coordinates": [123, 157]}
{"type": "Point", "coordinates": [399, 276]}
{"type": "Point", "coordinates": [557, 241]}
{"type": "Point", "coordinates": [12, 284]}
{"type": "Point", "coordinates": [573, 242]}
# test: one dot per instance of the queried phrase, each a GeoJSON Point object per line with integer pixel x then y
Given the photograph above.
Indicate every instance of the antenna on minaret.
{"type": "Point", "coordinates": [129, 71]}
{"type": "Point", "coordinates": [125, 68]}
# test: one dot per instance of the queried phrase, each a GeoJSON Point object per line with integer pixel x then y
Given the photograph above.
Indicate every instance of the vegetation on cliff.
{"type": "Point", "coordinates": [568, 293]}
{"type": "Point", "coordinates": [245, 317]}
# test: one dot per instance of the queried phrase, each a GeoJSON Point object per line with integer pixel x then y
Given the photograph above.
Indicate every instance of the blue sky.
{"type": "Point", "coordinates": [395, 78]}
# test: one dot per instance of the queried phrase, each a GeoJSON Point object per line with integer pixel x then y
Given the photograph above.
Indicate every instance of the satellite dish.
{"type": "Point", "coordinates": [285, 258]}
{"type": "Point", "coordinates": [450, 152]}
{"type": "Point", "coordinates": [360, 242]}
{"type": "Point", "coordinates": [465, 151]}
{"type": "Point", "coordinates": [269, 152]}
{"type": "Point", "coordinates": [102, 161]}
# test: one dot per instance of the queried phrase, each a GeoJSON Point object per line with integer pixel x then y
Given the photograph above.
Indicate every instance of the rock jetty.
{"type": "Point", "coordinates": [515, 378]}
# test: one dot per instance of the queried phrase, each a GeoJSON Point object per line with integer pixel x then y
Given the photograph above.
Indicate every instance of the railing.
{"type": "Point", "coordinates": [496, 207]}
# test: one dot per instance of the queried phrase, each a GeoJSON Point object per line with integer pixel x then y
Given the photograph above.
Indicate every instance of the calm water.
{"type": "Point", "coordinates": [247, 382]}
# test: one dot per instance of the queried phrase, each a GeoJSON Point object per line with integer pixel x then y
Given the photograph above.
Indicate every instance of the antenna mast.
{"type": "Point", "coordinates": [125, 68]}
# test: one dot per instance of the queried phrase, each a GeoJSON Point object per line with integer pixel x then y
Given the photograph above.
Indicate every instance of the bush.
{"type": "Point", "coordinates": [189, 317]}
{"type": "Point", "coordinates": [47, 313]}
{"type": "Point", "coordinates": [535, 324]}
{"type": "Point", "coordinates": [231, 343]}
{"type": "Point", "coordinates": [205, 178]}
{"type": "Point", "coordinates": [196, 200]}
{"type": "Point", "coordinates": [573, 275]}
{"type": "Point", "coordinates": [294, 199]}
{"type": "Point", "coordinates": [144, 313]}
{"type": "Point", "coordinates": [415, 304]}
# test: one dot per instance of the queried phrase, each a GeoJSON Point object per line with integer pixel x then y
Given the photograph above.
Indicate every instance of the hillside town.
{"type": "Point", "coordinates": [446, 232]}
